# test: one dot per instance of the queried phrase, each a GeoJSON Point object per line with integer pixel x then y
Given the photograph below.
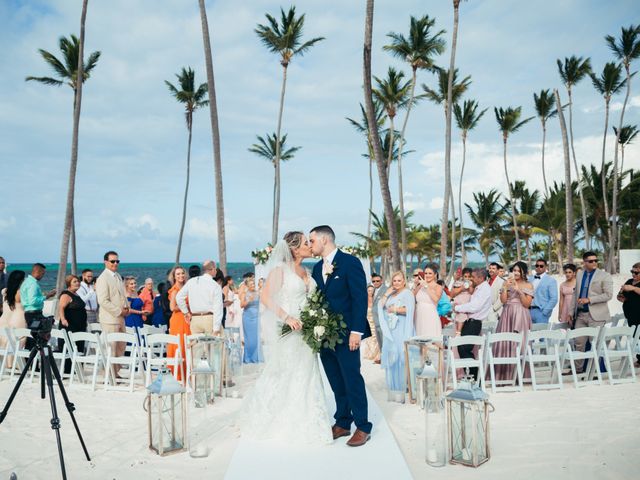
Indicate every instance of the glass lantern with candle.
{"type": "Point", "coordinates": [167, 414]}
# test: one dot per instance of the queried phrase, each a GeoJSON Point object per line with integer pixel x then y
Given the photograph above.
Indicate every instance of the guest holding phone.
{"type": "Point", "coordinates": [427, 293]}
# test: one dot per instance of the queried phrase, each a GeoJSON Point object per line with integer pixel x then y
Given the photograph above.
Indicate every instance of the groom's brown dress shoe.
{"type": "Point", "coordinates": [339, 432]}
{"type": "Point", "coordinates": [359, 438]}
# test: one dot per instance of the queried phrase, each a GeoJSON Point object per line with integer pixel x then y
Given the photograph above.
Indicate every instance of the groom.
{"type": "Point", "coordinates": [343, 282]}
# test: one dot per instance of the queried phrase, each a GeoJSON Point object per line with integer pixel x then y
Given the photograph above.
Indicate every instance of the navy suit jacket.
{"type": "Point", "coordinates": [346, 291]}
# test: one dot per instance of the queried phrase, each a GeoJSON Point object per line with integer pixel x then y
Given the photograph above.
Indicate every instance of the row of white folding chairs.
{"type": "Point", "coordinates": [551, 347]}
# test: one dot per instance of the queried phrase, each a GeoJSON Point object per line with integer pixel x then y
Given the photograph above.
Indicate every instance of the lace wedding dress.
{"type": "Point", "coordinates": [288, 400]}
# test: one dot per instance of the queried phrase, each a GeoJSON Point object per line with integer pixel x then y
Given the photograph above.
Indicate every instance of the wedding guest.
{"type": "Point", "coordinates": [629, 295]}
{"type": "Point", "coordinates": [478, 308]}
{"type": "Point", "coordinates": [228, 297]}
{"type": "Point", "coordinates": [112, 301]}
{"type": "Point", "coordinates": [87, 293]}
{"type": "Point", "coordinates": [194, 271]}
{"type": "Point", "coordinates": [566, 294]}
{"type": "Point", "coordinates": [417, 272]}
{"type": "Point", "coordinates": [545, 289]}
{"type": "Point", "coordinates": [371, 350]}
{"type": "Point", "coordinates": [32, 298]}
{"type": "Point", "coordinates": [136, 304]}
{"type": "Point", "coordinates": [516, 295]}
{"type": "Point", "coordinates": [12, 311]}
{"type": "Point", "coordinates": [495, 282]}
{"type": "Point", "coordinates": [72, 312]}
{"type": "Point", "coordinates": [427, 293]}
{"type": "Point", "coordinates": [147, 296]}
{"type": "Point", "coordinates": [379, 290]}
{"type": "Point", "coordinates": [461, 292]}
{"type": "Point", "coordinates": [178, 324]}
{"type": "Point", "coordinates": [594, 289]}
{"type": "Point", "coordinates": [203, 312]}
{"type": "Point", "coordinates": [158, 317]}
{"type": "Point", "coordinates": [4, 277]}
{"type": "Point", "coordinates": [249, 301]}
{"type": "Point", "coordinates": [396, 313]}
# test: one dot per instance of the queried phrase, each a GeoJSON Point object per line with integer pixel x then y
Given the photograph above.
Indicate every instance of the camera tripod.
{"type": "Point", "coordinates": [48, 370]}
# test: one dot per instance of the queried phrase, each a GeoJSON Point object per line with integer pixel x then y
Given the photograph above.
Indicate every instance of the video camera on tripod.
{"type": "Point", "coordinates": [40, 325]}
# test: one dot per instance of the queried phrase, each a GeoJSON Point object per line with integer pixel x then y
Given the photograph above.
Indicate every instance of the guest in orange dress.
{"type": "Point", "coordinates": [177, 323]}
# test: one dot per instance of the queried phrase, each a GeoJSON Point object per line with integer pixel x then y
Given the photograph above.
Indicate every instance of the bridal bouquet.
{"type": "Point", "coordinates": [321, 328]}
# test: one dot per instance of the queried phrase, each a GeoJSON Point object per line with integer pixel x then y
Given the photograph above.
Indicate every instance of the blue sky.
{"type": "Point", "coordinates": [133, 139]}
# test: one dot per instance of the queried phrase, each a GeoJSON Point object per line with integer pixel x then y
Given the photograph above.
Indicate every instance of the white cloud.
{"type": "Point", "coordinates": [7, 222]}
{"type": "Point", "coordinates": [436, 203]}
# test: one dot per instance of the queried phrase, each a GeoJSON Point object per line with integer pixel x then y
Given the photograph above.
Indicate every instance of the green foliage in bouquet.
{"type": "Point", "coordinates": [321, 328]}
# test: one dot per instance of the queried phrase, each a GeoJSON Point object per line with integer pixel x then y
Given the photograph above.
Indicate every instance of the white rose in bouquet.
{"type": "Point", "coordinates": [318, 331]}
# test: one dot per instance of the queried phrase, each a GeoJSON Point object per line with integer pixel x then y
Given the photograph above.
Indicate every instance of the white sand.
{"type": "Point", "coordinates": [587, 433]}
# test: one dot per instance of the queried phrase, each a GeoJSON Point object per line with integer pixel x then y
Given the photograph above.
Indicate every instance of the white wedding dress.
{"type": "Point", "coordinates": [288, 400]}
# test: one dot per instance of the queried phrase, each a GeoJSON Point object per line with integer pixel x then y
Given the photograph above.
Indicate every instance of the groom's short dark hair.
{"type": "Point", "coordinates": [325, 230]}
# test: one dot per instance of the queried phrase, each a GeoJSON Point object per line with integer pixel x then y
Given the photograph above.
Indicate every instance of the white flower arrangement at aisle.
{"type": "Point", "coordinates": [260, 257]}
{"type": "Point", "coordinates": [360, 251]}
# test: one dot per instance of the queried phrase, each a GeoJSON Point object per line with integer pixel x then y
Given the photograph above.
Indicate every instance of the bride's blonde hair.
{"type": "Point", "coordinates": [294, 240]}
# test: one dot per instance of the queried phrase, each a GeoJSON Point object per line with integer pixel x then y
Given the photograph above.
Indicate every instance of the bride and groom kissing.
{"type": "Point", "coordinates": [288, 400]}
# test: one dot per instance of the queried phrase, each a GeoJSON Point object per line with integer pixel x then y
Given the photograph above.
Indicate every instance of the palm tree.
{"type": "Point", "coordinates": [528, 210]}
{"type": "Point", "coordinates": [192, 98]}
{"type": "Point", "coordinates": [67, 70]}
{"type": "Point", "coordinates": [467, 118]}
{"type": "Point", "coordinates": [509, 122]}
{"type": "Point", "coordinates": [544, 109]}
{"type": "Point", "coordinates": [486, 215]}
{"type": "Point", "coordinates": [608, 84]}
{"type": "Point", "coordinates": [417, 50]}
{"type": "Point", "coordinates": [363, 127]}
{"type": "Point", "coordinates": [567, 179]}
{"type": "Point", "coordinates": [625, 137]}
{"type": "Point", "coordinates": [215, 136]}
{"type": "Point", "coordinates": [385, 193]}
{"type": "Point", "coordinates": [283, 39]}
{"type": "Point", "coordinates": [572, 71]}
{"type": "Point", "coordinates": [625, 50]}
{"type": "Point", "coordinates": [266, 148]}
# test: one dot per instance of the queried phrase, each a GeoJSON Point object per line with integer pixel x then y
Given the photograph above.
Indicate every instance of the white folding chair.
{"type": "Point", "coordinates": [617, 320]}
{"type": "Point", "coordinates": [131, 361]}
{"type": "Point", "coordinates": [94, 328]}
{"type": "Point", "coordinates": [515, 361]}
{"type": "Point", "coordinates": [455, 363]}
{"type": "Point", "coordinates": [489, 326]}
{"type": "Point", "coordinates": [544, 346]}
{"type": "Point", "coordinates": [616, 344]}
{"type": "Point", "coordinates": [7, 349]}
{"type": "Point", "coordinates": [571, 355]}
{"type": "Point", "coordinates": [560, 326]}
{"type": "Point", "coordinates": [21, 354]}
{"type": "Point", "coordinates": [156, 353]}
{"type": "Point", "coordinates": [66, 353]}
{"type": "Point", "coordinates": [93, 355]}
{"type": "Point", "coordinates": [188, 341]}
{"type": "Point", "coordinates": [536, 327]}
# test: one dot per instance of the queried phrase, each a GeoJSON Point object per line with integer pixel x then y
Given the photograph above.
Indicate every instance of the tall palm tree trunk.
{"type": "Point", "coordinates": [512, 202]}
{"type": "Point", "coordinates": [463, 253]}
{"type": "Point", "coordinates": [375, 137]}
{"type": "Point", "coordinates": [215, 134]}
{"type": "Point", "coordinates": [583, 203]}
{"type": "Point", "coordinates": [391, 143]}
{"type": "Point", "coordinates": [68, 220]}
{"type": "Point", "coordinates": [452, 263]}
{"type": "Point", "coordinates": [568, 196]}
{"type": "Point", "coordinates": [74, 257]}
{"type": "Point", "coordinates": [544, 141]}
{"type": "Point", "coordinates": [370, 193]}
{"type": "Point", "coordinates": [403, 226]}
{"type": "Point", "coordinates": [603, 180]}
{"type": "Point", "coordinates": [447, 150]}
{"type": "Point", "coordinates": [613, 266]}
{"type": "Point", "coordinates": [186, 192]}
{"type": "Point", "coordinates": [276, 207]}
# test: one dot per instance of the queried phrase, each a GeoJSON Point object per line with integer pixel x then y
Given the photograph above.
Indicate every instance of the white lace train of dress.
{"type": "Point", "coordinates": [288, 399]}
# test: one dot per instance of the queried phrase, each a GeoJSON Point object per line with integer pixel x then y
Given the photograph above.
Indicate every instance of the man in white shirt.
{"type": "Point", "coordinates": [495, 282]}
{"type": "Point", "coordinates": [204, 311]}
{"type": "Point", "coordinates": [88, 294]}
{"type": "Point", "coordinates": [478, 309]}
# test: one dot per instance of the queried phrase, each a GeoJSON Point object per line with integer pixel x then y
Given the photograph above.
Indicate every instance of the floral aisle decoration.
{"type": "Point", "coordinates": [261, 256]}
{"type": "Point", "coordinates": [360, 251]}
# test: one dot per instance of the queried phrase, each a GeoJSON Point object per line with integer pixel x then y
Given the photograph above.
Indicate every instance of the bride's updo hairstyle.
{"type": "Point", "coordinates": [294, 241]}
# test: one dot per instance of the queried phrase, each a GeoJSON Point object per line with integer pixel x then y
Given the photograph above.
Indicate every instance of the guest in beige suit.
{"type": "Point", "coordinates": [112, 300]}
{"type": "Point", "coordinates": [495, 282]}
{"type": "Point", "coordinates": [594, 289]}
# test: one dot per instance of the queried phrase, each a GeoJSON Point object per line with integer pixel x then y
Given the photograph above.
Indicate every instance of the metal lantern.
{"type": "Point", "coordinates": [208, 356]}
{"type": "Point", "coordinates": [431, 399]}
{"type": "Point", "coordinates": [417, 351]}
{"type": "Point", "coordinates": [428, 385]}
{"type": "Point", "coordinates": [167, 412]}
{"type": "Point", "coordinates": [203, 380]}
{"type": "Point", "coordinates": [233, 364]}
{"type": "Point", "coordinates": [468, 421]}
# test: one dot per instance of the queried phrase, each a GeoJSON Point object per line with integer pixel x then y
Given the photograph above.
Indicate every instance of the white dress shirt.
{"type": "Point", "coordinates": [536, 281]}
{"type": "Point", "coordinates": [88, 294]}
{"type": "Point", "coordinates": [205, 295]}
{"type": "Point", "coordinates": [480, 304]}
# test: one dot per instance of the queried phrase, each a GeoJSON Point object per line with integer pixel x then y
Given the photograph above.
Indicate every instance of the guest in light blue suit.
{"type": "Point", "coordinates": [546, 293]}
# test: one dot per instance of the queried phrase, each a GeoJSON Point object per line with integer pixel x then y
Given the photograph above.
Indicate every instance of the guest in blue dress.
{"type": "Point", "coordinates": [136, 304]}
{"type": "Point", "coordinates": [395, 309]}
{"type": "Point", "coordinates": [250, 301]}
{"type": "Point", "coordinates": [158, 317]}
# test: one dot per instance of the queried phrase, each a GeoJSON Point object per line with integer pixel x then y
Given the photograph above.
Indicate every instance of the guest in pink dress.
{"type": "Point", "coordinates": [516, 295]}
{"type": "Point", "coordinates": [566, 294]}
{"type": "Point", "coordinates": [461, 294]}
{"type": "Point", "coordinates": [427, 293]}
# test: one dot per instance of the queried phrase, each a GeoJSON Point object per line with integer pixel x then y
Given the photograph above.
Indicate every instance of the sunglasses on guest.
{"type": "Point", "coordinates": [635, 272]}
{"type": "Point", "coordinates": [540, 265]}
{"type": "Point", "coordinates": [114, 261]}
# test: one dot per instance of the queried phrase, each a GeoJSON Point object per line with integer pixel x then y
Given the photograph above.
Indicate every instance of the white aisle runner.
{"type": "Point", "coordinates": [380, 457]}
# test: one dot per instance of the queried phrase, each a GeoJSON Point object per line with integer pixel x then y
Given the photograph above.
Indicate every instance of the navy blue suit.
{"type": "Point", "coordinates": [346, 292]}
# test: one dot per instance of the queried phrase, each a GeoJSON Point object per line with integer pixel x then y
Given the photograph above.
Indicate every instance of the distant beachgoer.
{"type": "Point", "coordinates": [12, 312]}
{"type": "Point", "coordinates": [87, 293]}
{"type": "Point", "coordinates": [567, 289]}
{"type": "Point", "coordinates": [136, 304]}
{"type": "Point", "coordinates": [72, 313]}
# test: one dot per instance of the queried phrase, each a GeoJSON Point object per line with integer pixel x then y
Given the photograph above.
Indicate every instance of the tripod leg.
{"type": "Point", "coordinates": [45, 369]}
{"type": "Point", "coordinates": [25, 370]}
{"type": "Point", "coordinates": [41, 377]}
{"type": "Point", "coordinates": [70, 406]}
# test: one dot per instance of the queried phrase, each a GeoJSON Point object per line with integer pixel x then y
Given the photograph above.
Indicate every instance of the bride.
{"type": "Point", "coordinates": [288, 400]}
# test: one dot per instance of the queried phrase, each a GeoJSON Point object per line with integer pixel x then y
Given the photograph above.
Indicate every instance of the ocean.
{"type": "Point", "coordinates": [141, 271]}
